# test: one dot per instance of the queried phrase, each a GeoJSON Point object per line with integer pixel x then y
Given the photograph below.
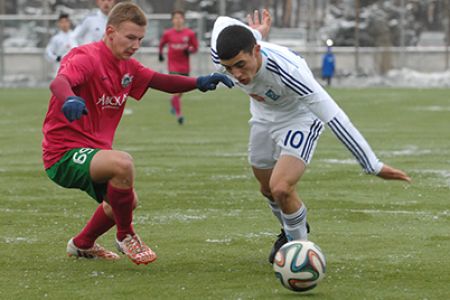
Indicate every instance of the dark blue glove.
{"type": "Point", "coordinates": [209, 82]}
{"type": "Point", "coordinates": [73, 108]}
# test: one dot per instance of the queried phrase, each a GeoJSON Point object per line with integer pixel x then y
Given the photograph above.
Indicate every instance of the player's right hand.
{"type": "Point", "coordinates": [161, 57]}
{"type": "Point", "coordinates": [73, 108]}
{"type": "Point", "coordinates": [390, 173]}
{"type": "Point", "coordinates": [263, 25]}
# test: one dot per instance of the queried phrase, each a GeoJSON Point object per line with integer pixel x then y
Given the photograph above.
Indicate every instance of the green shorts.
{"type": "Point", "coordinates": [72, 171]}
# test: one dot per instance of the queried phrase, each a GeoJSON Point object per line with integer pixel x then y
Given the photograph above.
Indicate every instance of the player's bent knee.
{"type": "Point", "coordinates": [107, 164]}
{"type": "Point", "coordinates": [280, 192]}
{"type": "Point", "coordinates": [280, 195]}
{"type": "Point", "coordinates": [124, 164]}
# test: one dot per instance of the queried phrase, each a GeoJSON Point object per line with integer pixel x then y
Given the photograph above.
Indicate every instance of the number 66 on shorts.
{"type": "Point", "coordinates": [81, 155]}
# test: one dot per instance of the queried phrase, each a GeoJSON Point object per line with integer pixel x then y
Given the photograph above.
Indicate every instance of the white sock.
{"type": "Point", "coordinates": [275, 210]}
{"type": "Point", "coordinates": [295, 224]}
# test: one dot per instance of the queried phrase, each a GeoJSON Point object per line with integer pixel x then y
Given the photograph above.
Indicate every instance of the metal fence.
{"type": "Point", "coordinates": [23, 39]}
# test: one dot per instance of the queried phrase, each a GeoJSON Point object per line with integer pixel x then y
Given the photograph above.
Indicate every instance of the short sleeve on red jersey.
{"type": "Point", "coordinates": [141, 80]}
{"type": "Point", "coordinates": [77, 67]}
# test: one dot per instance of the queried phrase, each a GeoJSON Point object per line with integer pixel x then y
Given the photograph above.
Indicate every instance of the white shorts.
{"type": "Point", "coordinates": [295, 138]}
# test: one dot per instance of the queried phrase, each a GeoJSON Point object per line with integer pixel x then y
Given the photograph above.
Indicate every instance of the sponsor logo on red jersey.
{"type": "Point", "coordinates": [114, 102]}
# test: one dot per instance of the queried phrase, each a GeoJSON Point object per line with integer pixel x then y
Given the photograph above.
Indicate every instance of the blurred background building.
{"type": "Point", "coordinates": [371, 37]}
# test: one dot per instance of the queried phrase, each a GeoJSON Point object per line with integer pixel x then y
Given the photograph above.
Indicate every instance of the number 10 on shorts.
{"type": "Point", "coordinates": [293, 139]}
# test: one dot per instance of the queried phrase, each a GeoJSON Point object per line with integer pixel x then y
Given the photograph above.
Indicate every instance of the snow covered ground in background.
{"type": "Point", "coordinates": [394, 78]}
{"type": "Point", "coordinates": [398, 78]}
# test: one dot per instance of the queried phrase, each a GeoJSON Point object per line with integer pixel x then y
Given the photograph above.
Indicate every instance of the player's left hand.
{"type": "Point", "coordinates": [210, 82]}
{"type": "Point", "coordinates": [263, 25]}
{"type": "Point", "coordinates": [390, 173]}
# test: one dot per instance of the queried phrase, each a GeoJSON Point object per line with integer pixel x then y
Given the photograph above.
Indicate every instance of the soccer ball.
{"type": "Point", "coordinates": [300, 265]}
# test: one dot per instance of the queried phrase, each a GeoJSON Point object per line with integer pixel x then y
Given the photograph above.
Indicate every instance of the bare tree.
{"type": "Point", "coordinates": [297, 13]}
{"type": "Point", "coordinates": [179, 5]}
{"type": "Point", "coordinates": [276, 19]}
{"type": "Point", "coordinates": [165, 6]}
{"type": "Point", "coordinates": [447, 33]}
{"type": "Point", "coordinates": [357, 12]}
{"type": "Point", "coordinates": [287, 13]}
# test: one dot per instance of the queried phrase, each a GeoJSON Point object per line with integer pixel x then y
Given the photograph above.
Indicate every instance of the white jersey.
{"type": "Point", "coordinates": [59, 45]}
{"type": "Point", "coordinates": [91, 28]}
{"type": "Point", "coordinates": [284, 89]}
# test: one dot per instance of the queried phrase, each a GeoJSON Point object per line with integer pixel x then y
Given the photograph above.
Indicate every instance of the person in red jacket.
{"type": "Point", "coordinates": [182, 42]}
{"type": "Point", "coordinates": [88, 98]}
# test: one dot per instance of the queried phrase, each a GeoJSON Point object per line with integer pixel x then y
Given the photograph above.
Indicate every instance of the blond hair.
{"type": "Point", "coordinates": [126, 11]}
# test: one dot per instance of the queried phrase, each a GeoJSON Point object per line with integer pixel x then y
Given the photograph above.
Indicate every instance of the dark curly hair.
{"type": "Point", "coordinates": [234, 39]}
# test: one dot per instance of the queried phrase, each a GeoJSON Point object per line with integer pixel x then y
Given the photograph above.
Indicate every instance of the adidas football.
{"type": "Point", "coordinates": [299, 265]}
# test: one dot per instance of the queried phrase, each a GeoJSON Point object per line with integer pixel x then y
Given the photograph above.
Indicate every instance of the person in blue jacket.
{"type": "Point", "coordinates": [328, 65]}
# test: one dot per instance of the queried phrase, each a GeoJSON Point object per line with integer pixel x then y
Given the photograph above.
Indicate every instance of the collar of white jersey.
{"type": "Point", "coordinates": [101, 15]}
{"type": "Point", "coordinates": [263, 65]}
{"type": "Point", "coordinates": [69, 32]}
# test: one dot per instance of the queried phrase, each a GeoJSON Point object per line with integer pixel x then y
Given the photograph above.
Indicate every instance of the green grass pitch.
{"type": "Point", "coordinates": [201, 211]}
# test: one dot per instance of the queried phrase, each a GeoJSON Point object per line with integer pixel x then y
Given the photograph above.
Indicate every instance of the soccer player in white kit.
{"type": "Point", "coordinates": [288, 111]}
{"type": "Point", "coordinates": [93, 26]}
{"type": "Point", "coordinates": [60, 43]}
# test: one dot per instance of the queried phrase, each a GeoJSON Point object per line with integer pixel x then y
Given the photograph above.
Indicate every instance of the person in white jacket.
{"type": "Point", "coordinates": [92, 27]}
{"type": "Point", "coordinates": [61, 43]}
{"type": "Point", "coordinates": [289, 109]}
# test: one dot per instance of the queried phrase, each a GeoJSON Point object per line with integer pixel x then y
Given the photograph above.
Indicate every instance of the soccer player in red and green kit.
{"type": "Point", "coordinates": [181, 42]}
{"type": "Point", "coordinates": [88, 98]}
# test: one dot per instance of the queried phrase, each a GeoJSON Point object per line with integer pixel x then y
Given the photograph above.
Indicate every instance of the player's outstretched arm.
{"type": "Point", "coordinates": [389, 173]}
{"type": "Point", "coordinates": [262, 25]}
{"type": "Point", "coordinates": [180, 84]}
{"type": "Point", "coordinates": [74, 107]}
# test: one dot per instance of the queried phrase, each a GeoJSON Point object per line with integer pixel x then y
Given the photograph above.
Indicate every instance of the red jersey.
{"type": "Point", "coordinates": [105, 83]}
{"type": "Point", "coordinates": [178, 42]}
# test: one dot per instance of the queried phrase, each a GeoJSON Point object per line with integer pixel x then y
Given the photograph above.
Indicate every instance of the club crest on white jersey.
{"type": "Point", "coordinates": [272, 95]}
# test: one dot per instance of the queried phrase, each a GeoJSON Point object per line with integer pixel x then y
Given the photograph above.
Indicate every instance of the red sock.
{"type": "Point", "coordinates": [121, 201]}
{"type": "Point", "coordinates": [97, 225]}
{"type": "Point", "coordinates": [176, 103]}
